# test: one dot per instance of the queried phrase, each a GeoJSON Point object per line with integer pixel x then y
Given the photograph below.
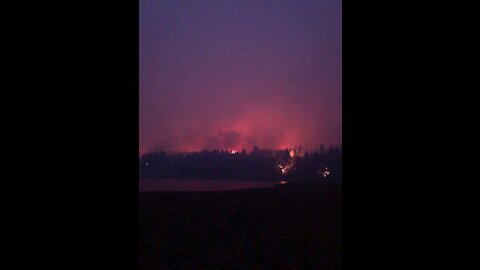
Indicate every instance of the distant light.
{"type": "Point", "coordinates": [285, 167]}
{"type": "Point", "coordinates": [283, 182]}
{"type": "Point", "coordinates": [233, 152]}
{"type": "Point", "coordinates": [326, 172]}
{"type": "Point", "coordinates": [146, 163]}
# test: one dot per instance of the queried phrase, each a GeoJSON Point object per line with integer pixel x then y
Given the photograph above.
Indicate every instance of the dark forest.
{"type": "Point", "coordinates": [259, 164]}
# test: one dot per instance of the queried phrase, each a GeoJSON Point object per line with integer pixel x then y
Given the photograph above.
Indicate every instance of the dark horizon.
{"type": "Point", "coordinates": [229, 75]}
{"type": "Point", "coordinates": [240, 150]}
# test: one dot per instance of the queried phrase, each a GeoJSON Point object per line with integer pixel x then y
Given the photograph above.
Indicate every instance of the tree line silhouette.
{"type": "Point", "coordinates": [259, 164]}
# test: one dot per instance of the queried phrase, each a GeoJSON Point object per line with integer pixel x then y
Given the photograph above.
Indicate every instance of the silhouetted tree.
{"type": "Point", "coordinates": [260, 164]}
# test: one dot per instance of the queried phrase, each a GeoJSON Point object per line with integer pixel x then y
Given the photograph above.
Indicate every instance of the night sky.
{"type": "Point", "coordinates": [230, 74]}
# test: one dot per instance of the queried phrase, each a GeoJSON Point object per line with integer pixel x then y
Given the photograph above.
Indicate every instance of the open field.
{"type": "Point", "coordinates": [292, 227]}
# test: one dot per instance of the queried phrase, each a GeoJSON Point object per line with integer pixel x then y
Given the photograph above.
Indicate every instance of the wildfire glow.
{"type": "Point", "coordinates": [285, 167]}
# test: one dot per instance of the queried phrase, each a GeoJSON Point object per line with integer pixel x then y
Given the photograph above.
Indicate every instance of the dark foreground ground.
{"type": "Point", "coordinates": [295, 227]}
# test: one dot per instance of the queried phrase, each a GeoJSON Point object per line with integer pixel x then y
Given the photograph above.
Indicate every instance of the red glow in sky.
{"type": "Point", "coordinates": [233, 74]}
